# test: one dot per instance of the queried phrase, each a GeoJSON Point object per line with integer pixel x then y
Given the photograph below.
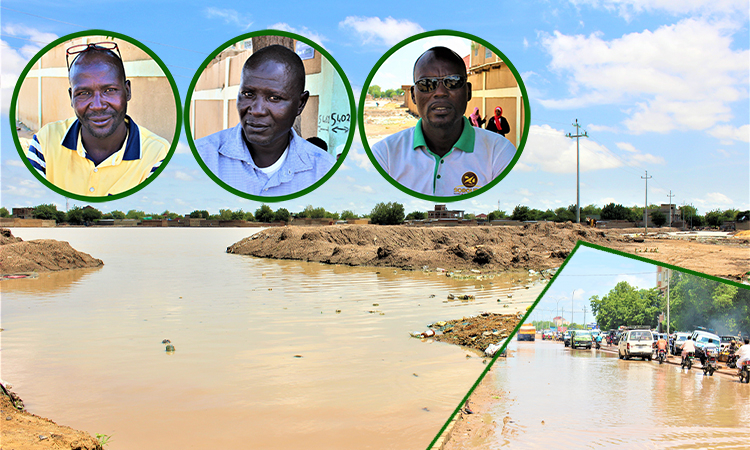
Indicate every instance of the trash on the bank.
{"type": "Point", "coordinates": [493, 348]}
{"type": "Point", "coordinates": [422, 334]}
{"type": "Point", "coordinates": [169, 348]}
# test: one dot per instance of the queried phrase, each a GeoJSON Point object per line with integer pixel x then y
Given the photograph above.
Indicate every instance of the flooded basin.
{"type": "Point", "coordinates": [268, 354]}
{"type": "Point", "coordinates": [554, 397]}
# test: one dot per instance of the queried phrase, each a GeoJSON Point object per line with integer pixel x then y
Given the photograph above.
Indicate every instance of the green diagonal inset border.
{"type": "Point", "coordinates": [541, 296]}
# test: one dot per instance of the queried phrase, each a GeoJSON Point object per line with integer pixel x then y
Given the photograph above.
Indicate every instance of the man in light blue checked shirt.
{"type": "Point", "coordinates": [263, 155]}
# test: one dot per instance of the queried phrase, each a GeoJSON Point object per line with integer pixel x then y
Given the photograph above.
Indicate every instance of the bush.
{"type": "Point", "coordinates": [390, 213]}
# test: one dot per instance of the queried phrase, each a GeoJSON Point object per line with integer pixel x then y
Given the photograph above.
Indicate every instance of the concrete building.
{"type": "Point", "coordinates": [44, 98]}
{"type": "Point", "coordinates": [441, 212]}
{"type": "Point", "coordinates": [327, 115]}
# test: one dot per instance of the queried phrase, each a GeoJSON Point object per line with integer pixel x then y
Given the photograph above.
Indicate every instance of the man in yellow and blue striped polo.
{"type": "Point", "coordinates": [101, 151]}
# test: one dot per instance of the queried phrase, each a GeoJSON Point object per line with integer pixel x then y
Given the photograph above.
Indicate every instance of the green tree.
{"type": "Point", "coordinates": [281, 214]}
{"type": "Point", "coordinates": [117, 214]}
{"type": "Point", "coordinates": [237, 215]}
{"type": "Point", "coordinates": [658, 218]}
{"type": "Point", "coordinates": [46, 212]}
{"type": "Point", "coordinates": [91, 215]}
{"type": "Point", "coordinates": [616, 212]}
{"type": "Point", "coordinates": [696, 301]}
{"type": "Point", "coordinates": [133, 214]}
{"type": "Point", "coordinates": [4, 212]}
{"type": "Point", "coordinates": [470, 216]}
{"type": "Point", "coordinates": [312, 212]}
{"type": "Point", "coordinates": [390, 213]}
{"type": "Point", "coordinates": [590, 210]}
{"type": "Point", "coordinates": [75, 216]}
{"type": "Point", "coordinates": [714, 218]}
{"type": "Point", "coordinates": [225, 214]}
{"type": "Point", "coordinates": [375, 91]}
{"type": "Point", "coordinates": [522, 213]}
{"type": "Point", "coordinates": [626, 305]}
{"type": "Point", "coordinates": [497, 215]}
{"type": "Point", "coordinates": [347, 214]}
{"type": "Point", "coordinates": [565, 215]}
{"type": "Point", "coordinates": [417, 215]}
{"type": "Point", "coordinates": [167, 214]}
{"type": "Point", "coordinates": [547, 215]}
{"type": "Point", "coordinates": [199, 214]}
{"type": "Point", "coordinates": [264, 214]}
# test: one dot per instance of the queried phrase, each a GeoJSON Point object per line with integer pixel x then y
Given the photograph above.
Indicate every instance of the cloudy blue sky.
{"type": "Point", "coordinates": [591, 272]}
{"type": "Point", "coordinates": [659, 85]}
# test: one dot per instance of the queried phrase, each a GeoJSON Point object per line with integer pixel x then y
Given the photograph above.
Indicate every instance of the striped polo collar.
{"type": "Point", "coordinates": [132, 146]}
{"type": "Point", "coordinates": [464, 143]}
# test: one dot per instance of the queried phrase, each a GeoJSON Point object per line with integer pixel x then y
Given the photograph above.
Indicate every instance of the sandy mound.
{"type": "Point", "coordinates": [477, 332]}
{"type": "Point", "coordinates": [534, 246]}
{"type": "Point", "coordinates": [41, 255]}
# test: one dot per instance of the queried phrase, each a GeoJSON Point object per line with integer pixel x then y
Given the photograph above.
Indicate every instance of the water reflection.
{"type": "Point", "coordinates": [558, 398]}
{"type": "Point", "coordinates": [282, 354]}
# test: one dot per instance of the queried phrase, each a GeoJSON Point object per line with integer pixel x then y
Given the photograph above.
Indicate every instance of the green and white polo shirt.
{"type": "Point", "coordinates": [476, 159]}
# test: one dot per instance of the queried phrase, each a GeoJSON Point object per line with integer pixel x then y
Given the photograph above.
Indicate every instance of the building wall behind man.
{"type": "Point", "coordinates": [152, 104]}
{"type": "Point", "coordinates": [214, 104]}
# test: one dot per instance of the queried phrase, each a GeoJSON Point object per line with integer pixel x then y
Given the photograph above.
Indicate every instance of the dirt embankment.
{"type": "Point", "coordinates": [22, 430]}
{"type": "Point", "coordinates": [535, 246]}
{"type": "Point", "coordinates": [40, 255]}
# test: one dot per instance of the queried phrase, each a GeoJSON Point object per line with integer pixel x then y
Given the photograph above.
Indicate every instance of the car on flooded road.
{"type": "Point", "coordinates": [638, 343]}
{"type": "Point", "coordinates": [679, 339]}
{"type": "Point", "coordinates": [566, 338]}
{"type": "Point", "coordinates": [580, 339]}
{"type": "Point", "coordinates": [703, 340]}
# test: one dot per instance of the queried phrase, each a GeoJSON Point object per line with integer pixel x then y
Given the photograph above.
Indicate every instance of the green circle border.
{"type": "Point", "coordinates": [14, 101]}
{"type": "Point", "coordinates": [278, 198]}
{"type": "Point", "coordinates": [519, 149]}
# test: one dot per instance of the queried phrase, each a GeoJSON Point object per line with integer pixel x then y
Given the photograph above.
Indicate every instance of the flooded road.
{"type": "Point", "coordinates": [269, 354]}
{"type": "Point", "coordinates": [560, 398]}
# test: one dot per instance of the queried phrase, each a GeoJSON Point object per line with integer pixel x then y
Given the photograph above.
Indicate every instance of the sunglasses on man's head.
{"type": "Point", "coordinates": [450, 82]}
{"type": "Point", "coordinates": [83, 48]}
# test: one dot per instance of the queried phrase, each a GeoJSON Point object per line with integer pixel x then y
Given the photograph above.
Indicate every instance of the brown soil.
{"type": "Point", "coordinates": [477, 332]}
{"type": "Point", "coordinates": [475, 426]}
{"type": "Point", "coordinates": [535, 246]}
{"type": "Point", "coordinates": [40, 255]}
{"type": "Point", "coordinates": [386, 119]}
{"type": "Point", "coordinates": [22, 430]}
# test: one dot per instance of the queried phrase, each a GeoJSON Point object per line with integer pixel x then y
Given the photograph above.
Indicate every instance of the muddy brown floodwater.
{"type": "Point", "coordinates": [269, 354]}
{"type": "Point", "coordinates": [554, 397]}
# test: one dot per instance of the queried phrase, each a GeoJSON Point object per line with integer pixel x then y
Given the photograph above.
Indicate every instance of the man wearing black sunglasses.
{"type": "Point", "coordinates": [443, 155]}
{"type": "Point", "coordinates": [100, 151]}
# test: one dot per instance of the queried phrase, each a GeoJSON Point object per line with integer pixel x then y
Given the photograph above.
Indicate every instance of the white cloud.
{"type": "Point", "coordinates": [359, 158]}
{"type": "Point", "coordinates": [549, 150]}
{"type": "Point", "coordinates": [15, 59]}
{"type": "Point", "coordinates": [525, 43]}
{"type": "Point", "coordinates": [229, 16]}
{"type": "Point", "coordinates": [359, 188]}
{"type": "Point", "coordinates": [628, 8]}
{"type": "Point", "coordinates": [183, 176]}
{"type": "Point", "coordinates": [728, 133]}
{"type": "Point", "coordinates": [524, 191]}
{"type": "Point", "coordinates": [304, 31]}
{"type": "Point", "coordinates": [716, 198]}
{"type": "Point", "coordinates": [182, 149]}
{"type": "Point", "coordinates": [682, 76]}
{"type": "Point", "coordinates": [14, 163]}
{"type": "Point", "coordinates": [626, 146]}
{"type": "Point", "coordinates": [374, 30]}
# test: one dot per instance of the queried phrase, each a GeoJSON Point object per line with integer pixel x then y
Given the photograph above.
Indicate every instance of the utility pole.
{"type": "Point", "coordinates": [668, 302]}
{"type": "Point", "coordinates": [578, 168]}
{"type": "Point", "coordinates": [645, 209]}
{"type": "Point", "coordinates": [670, 207]}
{"type": "Point", "coordinates": [571, 307]}
{"type": "Point", "coordinates": [584, 316]}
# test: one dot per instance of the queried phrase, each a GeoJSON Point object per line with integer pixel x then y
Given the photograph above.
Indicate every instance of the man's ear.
{"type": "Point", "coordinates": [469, 95]}
{"type": "Point", "coordinates": [70, 94]}
{"type": "Point", "coordinates": [127, 88]}
{"type": "Point", "coordinates": [411, 90]}
{"type": "Point", "coordinates": [303, 101]}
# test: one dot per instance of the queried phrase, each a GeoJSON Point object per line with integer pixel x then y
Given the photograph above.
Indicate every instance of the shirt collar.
{"type": "Point", "coordinates": [132, 143]}
{"type": "Point", "coordinates": [296, 160]}
{"type": "Point", "coordinates": [464, 143]}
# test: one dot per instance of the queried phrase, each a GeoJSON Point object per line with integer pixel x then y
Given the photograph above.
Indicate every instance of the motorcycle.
{"type": "Point", "coordinates": [598, 344]}
{"type": "Point", "coordinates": [711, 361]}
{"type": "Point", "coordinates": [661, 355]}
{"type": "Point", "coordinates": [687, 361]}
{"type": "Point", "coordinates": [745, 372]}
{"type": "Point", "coordinates": [732, 360]}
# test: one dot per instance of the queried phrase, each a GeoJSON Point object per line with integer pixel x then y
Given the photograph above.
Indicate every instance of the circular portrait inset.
{"type": "Point", "coordinates": [269, 116]}
{"type": "Point", "coordinates": [95, 115]}
{"type": "Point", "coordinates": [444, 116]}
